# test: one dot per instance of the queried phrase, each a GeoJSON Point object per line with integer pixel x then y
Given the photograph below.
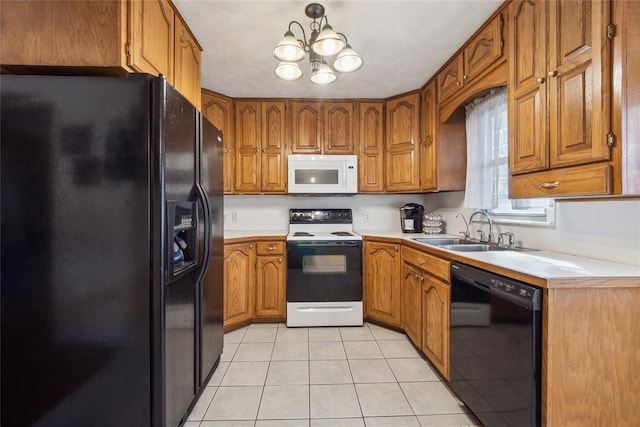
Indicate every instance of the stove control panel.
{"type": "Point", "coordinates": [320, 216]}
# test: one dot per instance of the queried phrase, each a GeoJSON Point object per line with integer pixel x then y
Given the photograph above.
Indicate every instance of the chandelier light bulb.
{"type": "Point", "coordinates": [323, 75]}
{"type": "Point", "coordinates": [288, 71]}
{"type": "Point", "coordinates": [328, 42]}
{"type": "Point", "coordinates": [288, 49]}
{"type": "Point", "coordinates": [348, 61]}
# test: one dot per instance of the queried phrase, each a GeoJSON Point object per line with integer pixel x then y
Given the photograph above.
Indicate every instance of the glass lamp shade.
{"type": "Point", "coordinates": [328, 42]}
{"type": "Point", "coordinates": [347, 61]}
{"type": "Point", "coordinates": [288, 49]}
{"type": "Point", "coordinates": [323, 75]}
{"type": "Point", "coordinates": [288, 71]}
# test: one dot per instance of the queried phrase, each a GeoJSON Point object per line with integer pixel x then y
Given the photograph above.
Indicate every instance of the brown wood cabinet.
{"type": "Point", "coordinates": [260, 164]}
{"type": "Point", "coordinates": [371, 147]}
{"type": "Point", "coordinates": [431, 275]}
{"type": "Point", "coordinates": [239, 284]}
{"type": "Point", "coordinates": [402, 162]}
{"type": "Point", "coordinates": [271, 270]}
{"type": "Point", "coordinates": [481, 52]}
{"type": "Point", "coordinates": [436, 302]}
{"type": "Point", "coordinates": [443, 154]}
{"type": "Point", "coordinates": [151, 43]}
{"type": "Point", "coordinates": [560, 97]}
{"type": "Point", "coordinates": [412, 303]}
{"type": "Point", "coordinates": [105, 37]}
{"type": "Point", "coordinates": [322, 127]}
{"type": "Point", "coordinates": [219, 110]}
{"type": "Point", "coordinates": [187, 63]}
{"type": "Point", "coordinates": [626, 97]}
{"type": "Point", "coordinates": [382, 282]}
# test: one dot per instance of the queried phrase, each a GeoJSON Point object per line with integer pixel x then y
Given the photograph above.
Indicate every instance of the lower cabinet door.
{"type": "Point", "coordinates": [271, 286]}
{"type": "Point", "coordinates": [239, 283]}
{"type": "Point", "coordinates": [435, 323]}
{"type": "Point", "coordinates": [412, 303]}
{"type": "Point", "coordinates": [382, 282]}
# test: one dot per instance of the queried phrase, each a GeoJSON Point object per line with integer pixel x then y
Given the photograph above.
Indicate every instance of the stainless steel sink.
{"type": "Point", "coordinates": [474, 247]}
{"type": "Point", "coordinates": [462, 245]}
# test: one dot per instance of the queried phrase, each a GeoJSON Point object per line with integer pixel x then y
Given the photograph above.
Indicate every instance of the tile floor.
{"type": "Point", "coordinates": [270, 375]}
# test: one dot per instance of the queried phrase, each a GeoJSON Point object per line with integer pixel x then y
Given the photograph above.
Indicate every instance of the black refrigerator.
{"type": "Point", "coordinates": [111, 291]}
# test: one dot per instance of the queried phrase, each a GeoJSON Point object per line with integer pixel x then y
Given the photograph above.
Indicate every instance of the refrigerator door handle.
{"type": "Point", "coordinates": [207, 233]}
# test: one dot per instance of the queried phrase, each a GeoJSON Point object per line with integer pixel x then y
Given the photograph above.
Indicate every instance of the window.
{"type": "Point", "coordinates": [488, 165]}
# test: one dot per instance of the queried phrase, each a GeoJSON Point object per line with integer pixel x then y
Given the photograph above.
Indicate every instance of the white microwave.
{"type": "Point", "coordinates": [318, 174]}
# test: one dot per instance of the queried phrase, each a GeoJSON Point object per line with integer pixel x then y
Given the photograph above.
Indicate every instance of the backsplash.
{"type": "Point", "coordinates": [606, 229]}
{"type": "Point", "coordinates": [370, 212]}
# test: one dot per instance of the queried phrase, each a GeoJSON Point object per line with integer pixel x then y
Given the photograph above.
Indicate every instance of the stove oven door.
{"type": "Point", "coordinates": [324, 271]}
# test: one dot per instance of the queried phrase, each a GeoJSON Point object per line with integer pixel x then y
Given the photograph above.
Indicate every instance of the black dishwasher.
{"type": "Point", "coordinates": [496, 338]}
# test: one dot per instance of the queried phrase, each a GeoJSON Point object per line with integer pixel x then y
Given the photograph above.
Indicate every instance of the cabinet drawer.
{"type": "Point", "coordinates": [433, 265]}
{"type": "Point", "coordinates": [592, 179]}
{"type": "Point", "coordinates": [270, 248]}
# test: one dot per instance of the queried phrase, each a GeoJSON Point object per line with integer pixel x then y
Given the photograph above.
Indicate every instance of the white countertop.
{"type": "Point", "coordinates": [546, 265]}
{"type": "Point", "coordinates": [238, 234]}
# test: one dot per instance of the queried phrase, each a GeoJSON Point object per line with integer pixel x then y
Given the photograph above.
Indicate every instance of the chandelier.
{"type": "Point", "coordinates": [321, 45]}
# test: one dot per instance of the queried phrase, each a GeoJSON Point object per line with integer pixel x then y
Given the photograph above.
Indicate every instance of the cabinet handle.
{"type": "Point", "coordinates": [540, 80]}
{"type": "Point", "coordinates": [421, 261]}
{"type": "Point", "coordinates": [464, 77]}
{"type": "Point", "coordinates": [362, 151]}
{"type": "Point", "coordinates": [552, 73]}
{"type": "Point", "coordinates": [396, 248]}
{"type": "Point", "coordinates": [430, 139]}
{"type": "Point", "coordinates": [257, 150]}
{"type": "Point", "coordinates": [280, 260]}
{"type": "Point", "coordinates": [250, 246]}
{"type": "Point", "coordinates": [458, 83]}
{"type": "Point", "coordinates": [271, 248]}
{"type": "Point", "coordinates": [549, 184]}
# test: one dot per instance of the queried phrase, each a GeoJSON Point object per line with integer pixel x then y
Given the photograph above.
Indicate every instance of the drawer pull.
{"type": "Point", "coordinates": [280, 260]}
{"type": "Point", "coordinates": [540, 80]}
{"type": "Point", "coordinates": [271, 248]}
{"type": "Point", "coordinates": [396, 248]}
{"type": "Point", "coordinates": [549, 184]}
{"type": "Point", "coordinates": [421, 261]}
{"type": "Point", "coordinates": [552, 73]}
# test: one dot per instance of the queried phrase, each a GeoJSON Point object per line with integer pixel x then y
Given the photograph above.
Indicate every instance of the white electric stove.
{"type": "Point", "coordinates": [324, 269]}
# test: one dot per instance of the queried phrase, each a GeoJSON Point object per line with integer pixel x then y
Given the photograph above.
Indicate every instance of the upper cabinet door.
{"type": "Point", "coordinates": [306, 127]}
{"type": "Point", "coordinates": [248, 146]}
{"type": "Point", "coordinates": [428, 147]}
{"type": "Point", "coordinates": [338, 128]}
{"type": "Point", "coordinates": [187, 66]}
{"type": "Point", "coordinates": [371, 152]}
{"type": "Point", "coordinates": [152, 38]}
{"type": "Point", "coordinates": [451, 79]}
{"type": "Point", "coordinates": [402, 161]}
{"type": "Point", "coordinates": [483, 50]}
{"type": "Point", "coordinates": [273, 157]}
{"type": "Point", "coordinates": [219, 111]}
{"type": "Point", "coordinates": [579, 82]}
{"type": "Point", "coordinates": [527, 86]}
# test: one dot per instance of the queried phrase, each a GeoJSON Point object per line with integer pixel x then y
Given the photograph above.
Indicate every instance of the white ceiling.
{"type": "Point", "coordinates": [403, 43]}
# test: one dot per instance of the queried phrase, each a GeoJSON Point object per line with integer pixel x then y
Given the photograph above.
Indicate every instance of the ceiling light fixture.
{"type": "Point", "coordinates": [324, 42]}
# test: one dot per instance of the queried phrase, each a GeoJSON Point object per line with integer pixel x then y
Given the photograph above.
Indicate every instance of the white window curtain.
{"type": "Point", "coordinates": [488, 157]}
{"type": "Point", "coordinates": [486, 132]}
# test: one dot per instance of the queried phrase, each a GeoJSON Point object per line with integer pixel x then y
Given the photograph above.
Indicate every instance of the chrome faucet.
{"type": "Point", "coordinates": [465, 233]}
{"type": "Point", "coordinates": [490, 237]}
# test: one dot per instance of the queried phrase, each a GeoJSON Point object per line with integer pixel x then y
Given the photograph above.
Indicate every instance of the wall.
{"type": "Point", "coordinates": [603, 229]}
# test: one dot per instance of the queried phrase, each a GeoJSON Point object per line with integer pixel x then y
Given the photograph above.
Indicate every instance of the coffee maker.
{"type": "Point", "coordinates": [411, 218]}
